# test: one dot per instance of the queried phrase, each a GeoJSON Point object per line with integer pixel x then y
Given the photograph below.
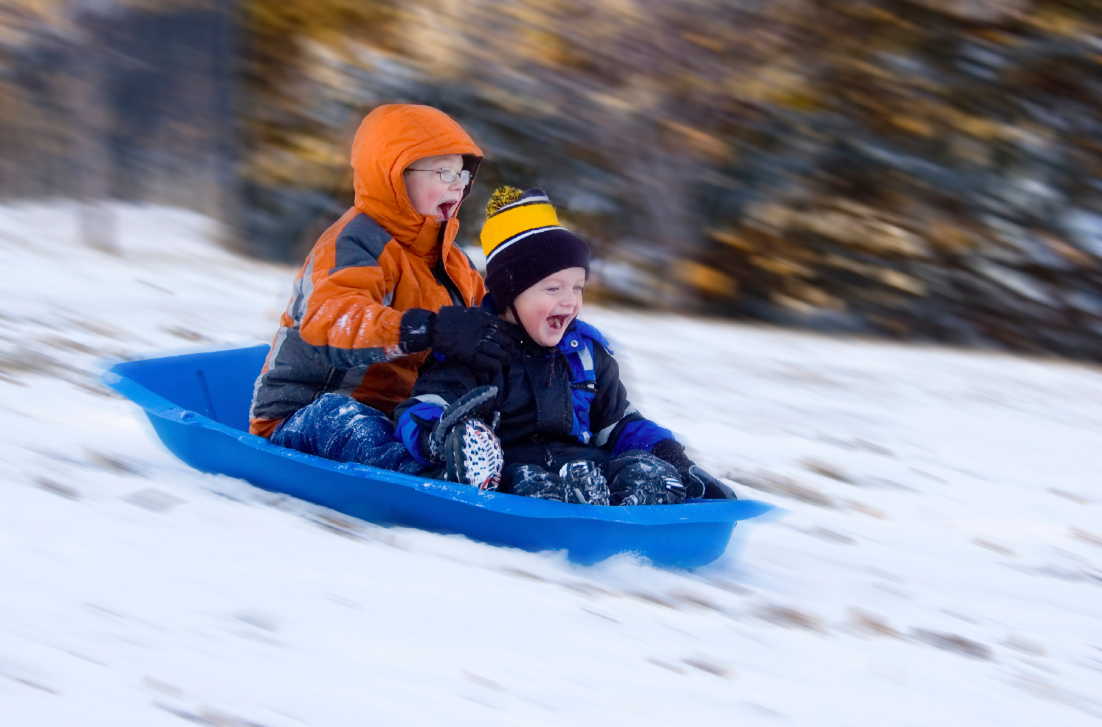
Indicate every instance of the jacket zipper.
{"type": "Point", "coordinates": [442, 277]}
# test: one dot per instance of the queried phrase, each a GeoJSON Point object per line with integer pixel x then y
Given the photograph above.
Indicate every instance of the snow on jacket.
{"type": "Point", "coordinates": [340, 332]}
{"type": "Point", "coordinates": [569, 394]}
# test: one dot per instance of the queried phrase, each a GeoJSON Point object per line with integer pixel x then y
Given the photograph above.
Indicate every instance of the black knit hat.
{"type": "Point", "coordinates": [524, 243]}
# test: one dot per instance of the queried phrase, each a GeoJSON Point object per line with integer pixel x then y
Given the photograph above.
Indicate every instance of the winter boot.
{"type": "Point", "coordinates": [473, 456]}
{"type": "Point", "coordinates": [640, 478]}
{"type": "Point", "coordinates": [583, 483]}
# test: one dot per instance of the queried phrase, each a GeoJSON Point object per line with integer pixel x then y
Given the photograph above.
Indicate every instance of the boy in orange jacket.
{"type": "Point", "coordinates": [383, 286]}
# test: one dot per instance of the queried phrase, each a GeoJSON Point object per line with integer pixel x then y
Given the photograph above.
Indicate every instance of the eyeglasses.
{"type": "Point", "coordinates": [447, 176]}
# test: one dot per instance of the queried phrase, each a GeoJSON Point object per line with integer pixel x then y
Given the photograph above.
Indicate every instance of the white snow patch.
{"type": "Point", "coordinates": [937, 563]}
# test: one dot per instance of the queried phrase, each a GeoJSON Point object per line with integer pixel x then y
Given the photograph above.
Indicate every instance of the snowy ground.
{"type": "Point", "coordinates": [937, 561]}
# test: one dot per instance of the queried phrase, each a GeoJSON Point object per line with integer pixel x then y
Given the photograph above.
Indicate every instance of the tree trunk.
{"type": "Point", "coordinates": [91, 126]}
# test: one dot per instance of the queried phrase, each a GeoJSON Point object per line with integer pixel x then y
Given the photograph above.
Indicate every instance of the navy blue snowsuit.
{"type": "Point", "coordinates": [557, 404]}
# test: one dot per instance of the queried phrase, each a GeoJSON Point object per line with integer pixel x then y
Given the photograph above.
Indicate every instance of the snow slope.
{"type": "Point", "coordinates": [937, 561]}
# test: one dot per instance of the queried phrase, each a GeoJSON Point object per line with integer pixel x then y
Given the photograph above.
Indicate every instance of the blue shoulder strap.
{"type": "Point", "coordinates": [577, 346]}
{"type": "Point", "coordinates": [591, 333]}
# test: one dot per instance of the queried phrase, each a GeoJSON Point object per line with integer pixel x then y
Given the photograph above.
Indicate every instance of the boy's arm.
{"type": "Point", "coordinates": [346, 317]}
{"type": "Point", "coordinates": [345, 312]}
{"type": "Point", "coordinates": [616, 424]}
{"type": "Point", "coordinates": [439, 384]}
{"type": "Point", "coordinates": [626, 429]}
{"type": "Point", "coordinates": [342, 300]}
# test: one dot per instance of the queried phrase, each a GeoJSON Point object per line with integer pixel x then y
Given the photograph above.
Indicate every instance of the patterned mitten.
{"type": "Point", "coordinates": [476, 403]}
{"type": "Point", "coordinates": [473, 455]}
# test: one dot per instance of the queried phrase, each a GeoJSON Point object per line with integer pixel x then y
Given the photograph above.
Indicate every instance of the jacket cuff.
{"type": "Point", "coordinates": [409, 430]}
{"type": "Point", "coordinates": [415, 330]}
{"type": "Point", "coordinates": [641, 434]}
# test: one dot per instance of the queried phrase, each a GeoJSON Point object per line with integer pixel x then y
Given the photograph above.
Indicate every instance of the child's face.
{"type": "Point", "coordinates": [547, 308]}
{"type": "Point", "coordinates": [430, 196]}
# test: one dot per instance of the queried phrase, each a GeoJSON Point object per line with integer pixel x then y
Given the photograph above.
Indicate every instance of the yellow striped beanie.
{"type": "Point", "coordinates": [524, 243]}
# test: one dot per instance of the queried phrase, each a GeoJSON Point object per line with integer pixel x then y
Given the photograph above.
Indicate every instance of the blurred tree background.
{"type": "Point", "coordinates": [926, 169]}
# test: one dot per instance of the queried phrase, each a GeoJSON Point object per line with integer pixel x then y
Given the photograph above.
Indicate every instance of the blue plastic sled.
{"type": "Point", "coordinates": [199, 406]}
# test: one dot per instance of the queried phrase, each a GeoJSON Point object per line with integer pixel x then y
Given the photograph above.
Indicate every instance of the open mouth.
{"type": "Point", "coordinates": [556, 323]}
{"type": "Point", "coordinates": [446, 209]}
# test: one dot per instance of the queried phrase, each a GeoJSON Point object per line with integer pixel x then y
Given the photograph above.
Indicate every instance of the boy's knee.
{"type": "Point", "coordinates": [341, 429]}
{"type": "Point", "coordinates": [529, 480]}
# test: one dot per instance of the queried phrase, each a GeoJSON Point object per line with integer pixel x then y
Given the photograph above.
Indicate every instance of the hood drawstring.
{"type": "Point", "coordinates": [555, 353]}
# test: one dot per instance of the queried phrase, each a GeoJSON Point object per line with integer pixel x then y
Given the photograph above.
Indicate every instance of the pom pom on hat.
{"type": "Point", "coordinates": [501, 197]}
{"type": "Point", "coordinates": [524, 243]}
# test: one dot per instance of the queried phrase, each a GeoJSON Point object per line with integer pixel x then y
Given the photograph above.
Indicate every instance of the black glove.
{"type": "Point", "coordinates": [473, 336]}
{"type": "Point", "coordinates": [698, 483]}
{"type": "Point", "coordinates": [477, 403]}
{"type": "Point", "coordinates": [713, 488]}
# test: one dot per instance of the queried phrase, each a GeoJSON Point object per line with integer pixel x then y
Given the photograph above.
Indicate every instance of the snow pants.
{"type": "Point", "coordinates": [587, 475]}
{"type": "Point", "coordinates": [344, 430]}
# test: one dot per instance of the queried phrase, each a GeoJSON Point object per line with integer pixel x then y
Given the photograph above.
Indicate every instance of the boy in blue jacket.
{"type": "Point", "coordinates": [565, 429]}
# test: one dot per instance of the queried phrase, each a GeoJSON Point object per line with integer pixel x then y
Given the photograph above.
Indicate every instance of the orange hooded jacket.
{"type": "Point", "coordinates": [340, 332]}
